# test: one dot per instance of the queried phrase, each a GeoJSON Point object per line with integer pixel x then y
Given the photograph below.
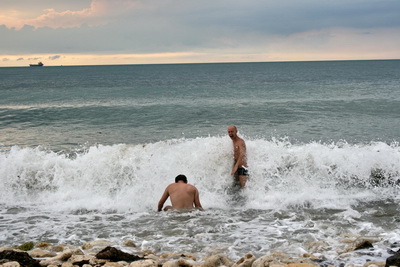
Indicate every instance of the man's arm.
{"type": "Point", "coordinates": [197, 203]}
{"type": "Point", "coordinates": [164, 198]}
{"type": "Point", "coordinates": [241, 157]}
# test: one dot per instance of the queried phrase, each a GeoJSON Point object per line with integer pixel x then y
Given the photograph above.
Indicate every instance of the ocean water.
{"type": "Point", "coordinates": [86, 152]}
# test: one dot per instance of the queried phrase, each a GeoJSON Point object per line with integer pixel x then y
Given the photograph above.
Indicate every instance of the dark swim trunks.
{"type": "Point", "coordinates": [242, 172]}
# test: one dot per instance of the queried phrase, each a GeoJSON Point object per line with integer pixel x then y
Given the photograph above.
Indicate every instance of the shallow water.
{"type": "Point", "coordinates": [86, 152]}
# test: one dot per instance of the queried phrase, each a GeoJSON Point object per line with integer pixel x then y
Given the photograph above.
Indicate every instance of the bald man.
{"type": "Point", "coordinates": [239, 170]}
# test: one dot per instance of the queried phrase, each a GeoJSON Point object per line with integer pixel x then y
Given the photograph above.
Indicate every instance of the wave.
{"type": "Point", "coordinates": [132, 177]}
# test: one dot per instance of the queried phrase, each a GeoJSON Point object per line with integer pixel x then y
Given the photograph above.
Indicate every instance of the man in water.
{"type": "Point", "coordinates": [239, 169]}
{"type": "Point", "coordinates": [183, 195]}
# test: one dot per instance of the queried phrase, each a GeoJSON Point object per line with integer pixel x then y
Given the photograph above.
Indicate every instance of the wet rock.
{"type": "Point", "coordinates": [113, 254]}
{"type": "Point", "coordinates": [374, 264]}
{"type": "Point", "coordinates": [80, 260]}
{"type": "Point", "coordinates": [42, 245]}
{"type": "Point", "coordinates": [144, 263]}
{"type": "Point", "coordinates": [63, 256]}
{"type": "Point", "coordinates": [362, 244]}
{"type": "Point", "coordinates": [59, 248]}
{"type": "Point", "coordinates": [281, 259]}
{"type": "Point", "coordinates": [112, 264]}
{"type": "Point", "coordinates": [245, 261]}
{"type": "Point", "coordinates": [359, 243]}
{"type": "Point", "coordinates": [41, 253]}
{"type": "Point", "coordinates": [22, 258]}
{"type": "Point", "coordinates": [176, 256]}
{"type": "Point", "coordinates": [97, 243]}
{"type": "Point", "coordinates": [11, 264]}
{"type": "Point", "coordinates": [393, 260]}
{"type": "Point", "coordinates": [217, 260]}
{"type": "Point", "coordinates": [274, 259]}
{"type": "Point", "coordinates": [184, 263]}
{"type": "Point", "coordinates": [26, 246]}
{"type": "Point", "coordinates": [129, 243]}
{"type": "Point", "coordinates": [170, 264]}
{"type": "Point", "coordinates": [67, 264]}
{"type": "Point", "coordinates": [299, 264]}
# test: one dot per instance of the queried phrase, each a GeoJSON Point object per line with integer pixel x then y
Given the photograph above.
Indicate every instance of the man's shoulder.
{"type": "Point", "coordinates": [240, 141]}
{"type": "Point", "coordinates": [192, 187]}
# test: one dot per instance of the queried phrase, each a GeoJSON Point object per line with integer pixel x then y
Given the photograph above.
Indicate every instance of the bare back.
{"type": "Point", "coordinates": [182, 196]}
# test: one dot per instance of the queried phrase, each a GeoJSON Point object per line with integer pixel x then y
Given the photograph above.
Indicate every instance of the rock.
{"type": "Point", "coordinates": [274, 259]}
{"type": "Point", "coordinates": [129, 243]}
{"type": "Point", "coordinates": [278, 259]}
{"type": "Point", "coordinates": [113, 254]}
{"type": "Point", "coordinates": [26, 246]}
{"type": "Point", "coordinates": [97, 262]}
{"type": "Point", "coordinates": [11, 264]}
{"type": "Point", "coordinates": [362, 244]}
{"type": "Point", "coordinates": [67, 264]}
{"type": "Point", "coordinates": [217, 260]}
{"type": "Point", "coordinates": [49, 263]}
{"type": "Point", "coordinates": [59, 248]}
{"type": "Point", "coordinates": [169, 264]}
{"type": "Point", "coordinates": [40, 253]}
{"type": "Point", "coordinates": [112, 264]}
{"type": "Point", "coordinates": [184, 263]}
{"type": "Point", "coordinates": [175, 256]}
{"type": "Point", "coordinates": [144, 263]}
{"type": "Point", "coordinates": [97, 243]}
{"type": "Point", "coordinates": [80, 260]}
{"type": "Point", "coordinates": [22, 258]}
{"type": "Point", "coordinates": [359, 243]}
{"type": "Point", "coordinates": [245, 261]}
{"type": "Point", "coordinates": [42, 245]}
{"type": "Point", "coordinates": [63, 256]}
{"type": "Point", "coordinates": [374, 264]}
{"type": "Point", "coordinates": [393, 260]}
{"type": "Point", "coordinates": [298, 264]}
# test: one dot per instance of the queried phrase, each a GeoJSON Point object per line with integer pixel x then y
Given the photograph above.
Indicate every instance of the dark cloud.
{"type": "Point", "coordinates": [54, 57]}
{"type": "Point", "coordinates": [5, 59]}
{"type": "Point", "coordinates": [181, 25]}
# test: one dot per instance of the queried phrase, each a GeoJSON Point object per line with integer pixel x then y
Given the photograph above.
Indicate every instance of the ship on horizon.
{"type": "Point", "coordinates": [39, 64]}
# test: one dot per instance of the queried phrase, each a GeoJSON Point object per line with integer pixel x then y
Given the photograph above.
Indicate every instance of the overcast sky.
{"type": "Point", "coordinates": [81, 32]}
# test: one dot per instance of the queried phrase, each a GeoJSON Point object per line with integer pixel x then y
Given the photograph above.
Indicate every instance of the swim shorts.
{"type": "Point", "coordinates": [242, 172]}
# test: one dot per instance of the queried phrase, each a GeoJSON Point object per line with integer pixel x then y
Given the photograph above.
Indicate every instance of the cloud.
{"type": "Point", "coordinates": [219, 29]}
{"type": "Point", "coordinates": [5, 59]}
{"type": "Point", "coordinates": [54, 57]}
{"type": "Point", "coordinates": [98, 13]}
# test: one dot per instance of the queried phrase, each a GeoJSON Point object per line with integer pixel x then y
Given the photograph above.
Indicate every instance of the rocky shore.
{"type": "Point", "coordinates": [103, 253]}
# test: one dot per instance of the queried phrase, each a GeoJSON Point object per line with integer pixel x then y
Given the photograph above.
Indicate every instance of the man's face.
{"type": "Point", "coordinates": [231, 132]}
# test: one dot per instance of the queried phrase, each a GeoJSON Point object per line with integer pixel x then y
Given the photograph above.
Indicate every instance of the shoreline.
{"type": "Point", "coordinates": [109, 254]}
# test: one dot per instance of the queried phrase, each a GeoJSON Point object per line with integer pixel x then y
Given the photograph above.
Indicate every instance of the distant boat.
{"type": "Point", "coordinates": [40, 64]}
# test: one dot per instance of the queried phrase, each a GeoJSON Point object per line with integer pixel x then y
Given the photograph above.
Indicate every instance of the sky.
{"type": "Point", "coordinates": [97, 32]}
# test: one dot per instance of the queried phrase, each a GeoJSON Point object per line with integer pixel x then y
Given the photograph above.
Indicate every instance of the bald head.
{"type": "Point", "coordinates": [232, 131]}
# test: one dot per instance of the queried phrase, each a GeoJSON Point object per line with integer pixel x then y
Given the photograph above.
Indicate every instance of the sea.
{"type": "Point", "coordinates": [87, 151]}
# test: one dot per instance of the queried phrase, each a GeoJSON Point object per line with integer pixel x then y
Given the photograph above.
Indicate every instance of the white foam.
{"type": "Point", "coordinates": [133, 177]}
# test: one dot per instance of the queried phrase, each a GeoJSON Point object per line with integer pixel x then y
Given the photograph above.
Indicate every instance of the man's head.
{"type": "Point", "coordinates": [232, 131]}
{"type": "Point", "coordinates": [181, 177]}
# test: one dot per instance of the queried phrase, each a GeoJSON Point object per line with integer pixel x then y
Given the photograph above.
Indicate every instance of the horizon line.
{"type": "Point", "coordinates": [221, 62]}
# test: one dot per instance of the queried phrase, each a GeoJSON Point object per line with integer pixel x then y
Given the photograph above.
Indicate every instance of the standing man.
{"type": "Point", "coordinates": [183, 195]}
{"type": "Point", "coordinates": [239, 155]}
